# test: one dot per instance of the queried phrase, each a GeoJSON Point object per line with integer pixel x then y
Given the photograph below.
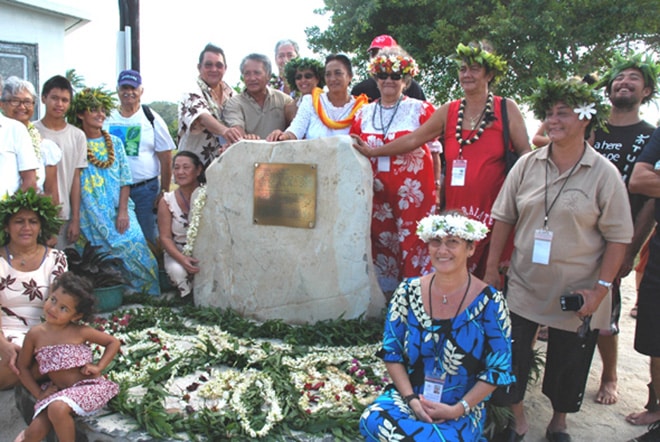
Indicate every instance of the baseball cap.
{"type": "Point", "coordinates": [129, 78]}
{"type": "Point", "coordinates": [382, 41]}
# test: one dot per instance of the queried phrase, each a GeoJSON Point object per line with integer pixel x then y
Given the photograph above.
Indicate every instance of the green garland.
{"type": "Point", "coordinates": [40, 204]}
{"type": "Point", "coordinates": [575, 93]}
{"type": "Point", "coordinates": [302, 64]}
{"type": "Point", "coordinates": [474, 53]}
{"type": "Point", "coordinates": [90, 99]}
{"type": "Point", "coordinates": [645, 64]}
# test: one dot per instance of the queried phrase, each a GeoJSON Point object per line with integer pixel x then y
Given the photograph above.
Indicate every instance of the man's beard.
{"type": "Point", "coordinates": [624, 102]}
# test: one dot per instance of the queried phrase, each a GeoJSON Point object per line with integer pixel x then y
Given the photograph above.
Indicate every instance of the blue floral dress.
{"type": "Point", "coordinates": [99, 202]}
{"type": "Point", "coordinates": [474, 346]}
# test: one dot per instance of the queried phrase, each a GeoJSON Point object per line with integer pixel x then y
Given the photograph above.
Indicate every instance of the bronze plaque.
{"type": "Point", "coordinates": [285, 194]}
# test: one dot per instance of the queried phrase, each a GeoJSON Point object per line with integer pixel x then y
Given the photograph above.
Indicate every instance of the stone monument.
{"type": "Point", "coordinates": [308, 262]}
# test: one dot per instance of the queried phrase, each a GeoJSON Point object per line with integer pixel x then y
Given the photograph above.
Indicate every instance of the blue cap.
{"type": "Point", "coordinates": [129, 78]}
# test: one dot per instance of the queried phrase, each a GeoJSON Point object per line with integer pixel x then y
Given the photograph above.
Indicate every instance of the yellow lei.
{"type": "Point", "coordinates": [332, 124]}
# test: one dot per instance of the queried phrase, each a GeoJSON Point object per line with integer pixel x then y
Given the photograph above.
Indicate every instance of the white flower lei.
{"type": "Point", "coordinates": [439, 226]}
{"type": "Point", "coordinates": [35, 136]}
{"type": "Point", "coordinates": [241, 381]}
{"type": "Point", "coordinates": [195, 216]}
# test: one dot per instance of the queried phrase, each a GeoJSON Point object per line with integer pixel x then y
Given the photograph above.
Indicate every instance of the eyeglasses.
{"type": "Point", "coordinates": [307, 75]}
{"type": "Point", "coordinates": [385, 76]}
{"type": "Point", "coordinates": [15, 102]}
{"type": "Point", "coordinates": [218, 65]}
{"type": "Point", "coordinates": [451, 242]}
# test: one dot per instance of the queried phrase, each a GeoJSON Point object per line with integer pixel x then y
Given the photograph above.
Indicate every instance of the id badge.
{"type": "Point", "coordinates": [434, 383]}
{"type": "Point", "coordinates": [383, 164]}
{"type": "Point", "coordinates": [458, 168]}
{"type": "Point", "coordinates": [542, 245]}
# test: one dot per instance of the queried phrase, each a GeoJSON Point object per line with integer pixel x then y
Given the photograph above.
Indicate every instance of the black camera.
{"type": "Point", "coordinates": [571, 302]}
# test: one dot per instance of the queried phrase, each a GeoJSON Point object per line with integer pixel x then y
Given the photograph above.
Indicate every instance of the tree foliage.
{"type": "Point", "coordinates": [169, 112]}
{"type": "Point", "coordinates": [539, 38]}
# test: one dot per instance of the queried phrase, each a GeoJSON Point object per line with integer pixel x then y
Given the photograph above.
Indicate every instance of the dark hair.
{"type": "Point", "coordinates": [196, 162]}
{"type": "Point", "coordinates": [212, 48]}
{"type": "Point", "coordinates": [57, 82]}
{"type": "Point", "coordinates": [261, 58]}
{"type": "Point", "coordinates": [302, 64]}
{"type": "Point", "coordinates": [81, 289]}
{"type": "Point", "coordinates": [342, 59]}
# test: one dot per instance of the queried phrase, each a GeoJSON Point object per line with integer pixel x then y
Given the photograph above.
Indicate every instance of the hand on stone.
{"type": "Point", "coordinates": [361, 146]}
{"type": "Point", "coordinates": [190, 264]}
{"type": "Point", "coordinates": [274, 135]}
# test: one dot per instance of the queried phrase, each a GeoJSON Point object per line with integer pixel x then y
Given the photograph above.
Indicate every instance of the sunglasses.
{"type": "Point", "coordinates": [307, 75]}
{"type": "Point", "coordinates": [385, 76]}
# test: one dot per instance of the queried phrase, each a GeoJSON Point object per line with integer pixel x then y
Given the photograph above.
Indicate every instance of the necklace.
{"type": "Point", "coordinates": [484, 117]}
{"type": "Point", "coordinates": [444, 300]}
{"type": "Point", "coordinates": [92, 158]}
{"type": "Point", "coordinates": [186, 201]}
{"type": "Point", "coordinates": [384, 128]}
{"type": "Point", "coordinates": [23, 258]}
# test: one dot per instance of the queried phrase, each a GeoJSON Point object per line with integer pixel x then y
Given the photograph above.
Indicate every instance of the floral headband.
{"type": "Point", "coordinates": [394, 63]}
{"type": "Point", "coordinates": [473, 53]}
{"type": "Point", "coordinates": [584, 100]}
{"type": "Point", "coordinates": [440, 226]}
{"type": "Point", "coordinates": [90, 99]}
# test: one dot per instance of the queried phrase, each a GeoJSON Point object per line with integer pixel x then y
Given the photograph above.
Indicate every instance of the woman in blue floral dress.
{"type": "Point", "coordinates": [446, 345]}
{"type": "Point", "coordinates": [107, 214]}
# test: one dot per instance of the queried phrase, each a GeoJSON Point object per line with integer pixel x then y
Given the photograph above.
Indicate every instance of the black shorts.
{"type": "Point", "coordinates": [567, 364]}
{"type": "Point", "coordinates": [647, 328]}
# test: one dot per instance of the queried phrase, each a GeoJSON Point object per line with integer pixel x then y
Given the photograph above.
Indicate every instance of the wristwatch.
{"type": "Point", "coordinates": [605, 284]}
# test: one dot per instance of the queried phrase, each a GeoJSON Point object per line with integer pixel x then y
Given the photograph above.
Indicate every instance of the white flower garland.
{"type": "Point", "coordinates": [439, 226]}
{"type": "Point", "coordinates": [195, 216]}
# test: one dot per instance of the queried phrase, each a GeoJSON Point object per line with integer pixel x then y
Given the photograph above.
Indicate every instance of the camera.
{"type": "Point", "coordinates": [571, 302]}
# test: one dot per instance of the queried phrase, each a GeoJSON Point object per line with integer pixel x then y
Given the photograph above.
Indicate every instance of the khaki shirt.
{"type": "Point", "coordinates": [242, 110]}
{"type": "Point", "coordinates": [591, 210]}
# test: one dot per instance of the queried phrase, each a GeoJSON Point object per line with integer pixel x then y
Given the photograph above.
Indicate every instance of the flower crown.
{"type": "Point", "coordinates": [646, 65]}
{"type": "Point", "coordinates": [474, 53]}
{"type": "Point", "coordinates": [90, 99]}
{"type": "Point", "coordinates": [301, 64]}
{"type": "Point", "coordinates": [394, 63]}
{"type": "Point", "coordinates": [452, 224]}
{"type": "Point", "coordinates": [40, 204]}
{"type": "Point", "coordinates": [583, 98]}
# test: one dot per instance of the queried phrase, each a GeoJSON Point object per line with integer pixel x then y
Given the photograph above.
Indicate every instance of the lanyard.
{"type": "Point", "coordinates": [548, 209]}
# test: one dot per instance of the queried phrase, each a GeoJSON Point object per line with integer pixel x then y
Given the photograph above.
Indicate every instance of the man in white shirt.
{"type": "Point", "coordinates": [148, 146]}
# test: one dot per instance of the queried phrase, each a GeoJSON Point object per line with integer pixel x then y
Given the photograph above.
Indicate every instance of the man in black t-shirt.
{"type": "Point", "coordinates": [629, 84]}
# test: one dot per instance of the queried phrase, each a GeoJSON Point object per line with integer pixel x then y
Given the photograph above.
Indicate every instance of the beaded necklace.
{"type": "Point", "coordinates": [102, 164]}
{"type": "Point", "coordinates": [475, 135]}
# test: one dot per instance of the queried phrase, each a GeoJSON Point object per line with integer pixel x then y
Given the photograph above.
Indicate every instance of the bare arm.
{"type": "Point", "coordinates": [433, 128]}
{"type": "Point", "coordinates": [612, 259]}
{"type": "Point", "coordinates": [50, 184]}
{"type": "Point", "coordinates": [402, 383]}
{"type": "Point", "coordinates": [501, 232]}
{"type": "Point", "coordinates": [73, 232]}
{"type": "Point", "coordinates": [167, 242]}
{"type": "Point", "coordinates": [111, 345]}
{"type": "Point", "coordinates": [517, 128]}
{"type": "Point", "coordinates": [25, 360]}
{"type": "Point", "coordinates": [165, 159]}
{"type": "Point", "coordinates": [122, 222]}
{"type": "Point", "coordinates": [643, 225]}
{"type": "Point", "coordinates": [28, 179]}
{"type": "Point", "coordinates": [645, 180]}
{"type": "Point", "coordinates": [541, 139]}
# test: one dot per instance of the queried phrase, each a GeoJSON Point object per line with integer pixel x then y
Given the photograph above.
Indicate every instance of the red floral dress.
{"type": "Point", "coordinates": [404, 190]}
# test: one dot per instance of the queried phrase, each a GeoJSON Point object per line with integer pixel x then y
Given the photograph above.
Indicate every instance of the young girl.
{"type": "Point", "coordinates": [59, 346]}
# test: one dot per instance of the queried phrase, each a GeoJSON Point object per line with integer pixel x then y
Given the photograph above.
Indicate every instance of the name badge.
{"type": "Point", "coordinates": [383, 164]}
{"type": "Point", "coordinates": [458, 168]}
{"type": "Point", "coordinates": [434, 383]}
{"type": "Point", "coordinates": [542, 245]}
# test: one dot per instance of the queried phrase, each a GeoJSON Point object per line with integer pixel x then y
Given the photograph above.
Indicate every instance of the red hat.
{"type": "Point", "coordinates": [382, 41]}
